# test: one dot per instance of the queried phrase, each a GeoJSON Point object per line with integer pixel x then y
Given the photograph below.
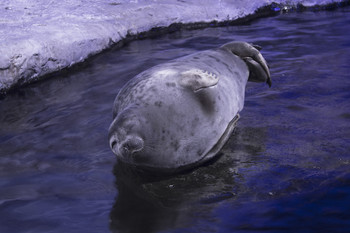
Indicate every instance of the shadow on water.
{"type": "Point", "coordinates": [158, 203]}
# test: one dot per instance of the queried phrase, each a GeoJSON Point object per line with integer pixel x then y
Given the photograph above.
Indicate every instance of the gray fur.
{"type": "Point", "coordinates": [179, 114]}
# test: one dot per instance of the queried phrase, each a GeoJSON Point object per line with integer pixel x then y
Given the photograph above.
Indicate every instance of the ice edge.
{"type": "Point", "coordinates": [40, 60]}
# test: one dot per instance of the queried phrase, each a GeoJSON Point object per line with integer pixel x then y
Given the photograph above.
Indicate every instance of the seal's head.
{"type": "Point", "coordinates": [126, 137]}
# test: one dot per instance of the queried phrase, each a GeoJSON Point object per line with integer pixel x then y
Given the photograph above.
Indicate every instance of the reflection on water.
{"type": "Point", "coordinates": [159, 203]}
{"type": "Point", "coordinates": [286, 167]}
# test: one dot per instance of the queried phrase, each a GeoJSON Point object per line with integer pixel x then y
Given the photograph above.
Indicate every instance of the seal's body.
{"type": "Point", "coordinates": [179, 114]}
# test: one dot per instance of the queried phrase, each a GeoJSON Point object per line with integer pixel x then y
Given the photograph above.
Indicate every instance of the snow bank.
{"type": "Point", "coordinates": [38, 37]}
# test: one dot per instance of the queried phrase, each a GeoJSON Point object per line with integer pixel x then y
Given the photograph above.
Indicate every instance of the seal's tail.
{"type": "Point", "coordinates": [258, 68]}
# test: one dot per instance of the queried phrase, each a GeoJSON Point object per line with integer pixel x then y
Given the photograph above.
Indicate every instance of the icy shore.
{"type": "Point", "coordinates": [38, 37]}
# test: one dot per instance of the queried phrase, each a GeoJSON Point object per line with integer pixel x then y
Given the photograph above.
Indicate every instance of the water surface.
{"type": "Point", "coordinates": [285, 169]}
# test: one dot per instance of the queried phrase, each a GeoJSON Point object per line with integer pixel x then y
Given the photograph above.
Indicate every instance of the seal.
{"type": "Point", "coordinates": [178, 115]}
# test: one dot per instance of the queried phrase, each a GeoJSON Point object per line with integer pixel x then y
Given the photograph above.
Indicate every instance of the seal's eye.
{"type": "Point", "coordinates": [114, 147]}
{"type": "Point", "coordinates": [113, 144]}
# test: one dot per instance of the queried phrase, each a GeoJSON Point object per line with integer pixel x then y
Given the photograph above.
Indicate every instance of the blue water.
{"type": "Point", "coordinates": [286, 168]}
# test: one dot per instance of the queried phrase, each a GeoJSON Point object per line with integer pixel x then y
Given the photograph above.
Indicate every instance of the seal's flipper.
{"type": "Point", "coordinates": [256, 72]}
{"type": "Point", "coordinates": [222, 141]}
{"type": "Point", "coordinates": [246, 50]}
{"type": "Point", "coordinates": [258, 47]}
{"type": "Point", "coordinates": [198, 79]}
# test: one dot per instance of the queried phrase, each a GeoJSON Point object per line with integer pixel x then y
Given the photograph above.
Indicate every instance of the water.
{"type": "Point", "coordinates": [285, 169]}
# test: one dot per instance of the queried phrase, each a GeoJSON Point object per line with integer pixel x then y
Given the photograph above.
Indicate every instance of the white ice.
{"type": "Point", "coordinates": [38, 37]}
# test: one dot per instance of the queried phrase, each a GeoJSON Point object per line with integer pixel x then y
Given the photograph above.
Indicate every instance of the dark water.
{"type": "Point", "coordinates": [285, 169]}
